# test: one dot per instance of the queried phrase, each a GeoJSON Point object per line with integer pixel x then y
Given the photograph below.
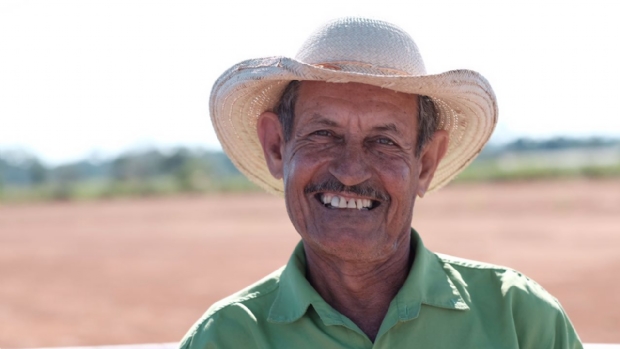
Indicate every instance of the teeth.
{"type": "Point", "coordinates": [327, 198]}
{"type": "Point", "coordinates": [335, 201]}
{"type": "Point", "coordinates": [340, 202]}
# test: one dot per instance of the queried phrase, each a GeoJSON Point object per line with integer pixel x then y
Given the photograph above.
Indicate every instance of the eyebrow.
{"type": "Point", "coordinates": [387, 127]}
{"type": "Point", "coordinates": [320, 119]}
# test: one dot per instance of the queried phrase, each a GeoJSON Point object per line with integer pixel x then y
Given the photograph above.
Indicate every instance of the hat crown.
{"type": "Point", "coordinates": [350, 42]}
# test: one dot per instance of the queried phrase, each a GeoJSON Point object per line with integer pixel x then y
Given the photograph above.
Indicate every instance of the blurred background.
{"type": "Point", "coordinates": [121, 221]}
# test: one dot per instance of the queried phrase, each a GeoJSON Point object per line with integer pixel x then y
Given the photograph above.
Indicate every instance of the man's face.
{"type": "Point", "coordinates": [360, 139]}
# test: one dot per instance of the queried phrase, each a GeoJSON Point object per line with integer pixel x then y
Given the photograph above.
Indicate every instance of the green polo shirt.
{"type": "Point", "coordinates": [446, 302]}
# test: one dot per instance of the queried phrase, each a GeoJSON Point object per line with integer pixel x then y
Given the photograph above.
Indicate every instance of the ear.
{"type": "Point", "coordinates": [272, 140]}
{"type": "Point", "coordinates": [431, 155]}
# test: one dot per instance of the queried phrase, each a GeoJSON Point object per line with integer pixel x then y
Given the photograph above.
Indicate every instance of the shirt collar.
{"type": "Point", "coordinates": [295, 293]}
{"type": "Point", "coordinates": [427, 283]}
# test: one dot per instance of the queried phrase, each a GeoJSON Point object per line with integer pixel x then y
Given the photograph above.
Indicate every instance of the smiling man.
{"type": "Point", "coordinates": [351, 131]}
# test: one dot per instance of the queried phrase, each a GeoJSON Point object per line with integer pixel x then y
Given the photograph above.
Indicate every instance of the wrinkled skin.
{"type": "Point", "coordinates": [358, 142]}
{"type": "Point", "coordinates": [358, 135]}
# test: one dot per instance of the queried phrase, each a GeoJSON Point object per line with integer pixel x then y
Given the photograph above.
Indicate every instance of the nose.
{"type": "Point", "coordinates": [350, 167]}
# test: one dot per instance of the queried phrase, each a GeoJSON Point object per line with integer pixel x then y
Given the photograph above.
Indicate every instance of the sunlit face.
{"type": "Point", "coordinates": [350, 170]}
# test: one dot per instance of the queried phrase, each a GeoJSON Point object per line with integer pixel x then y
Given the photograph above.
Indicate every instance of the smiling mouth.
{"type": "Point", "coordinates": [336, 201]}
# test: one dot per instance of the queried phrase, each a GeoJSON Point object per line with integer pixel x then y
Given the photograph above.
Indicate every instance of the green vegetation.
{"type": "Point", "coordinates": [487, 171]}
{"type": "Point", "coordinates": [100, 189]}
{"type": "Point", "coordinates": [525, 159]}
{"type": "Point", "coordinates": [145, 173]}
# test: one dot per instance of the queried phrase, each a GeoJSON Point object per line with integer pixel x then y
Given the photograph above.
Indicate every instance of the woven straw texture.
{"type": "Point", "coordinates": [351, 50]}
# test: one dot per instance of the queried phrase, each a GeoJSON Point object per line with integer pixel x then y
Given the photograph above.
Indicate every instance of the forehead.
{"type": "Point", "coordinates": [350, 100]}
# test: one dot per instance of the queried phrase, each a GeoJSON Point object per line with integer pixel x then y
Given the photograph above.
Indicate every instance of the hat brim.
{"type": "Point", "coordinates": [466, 105]}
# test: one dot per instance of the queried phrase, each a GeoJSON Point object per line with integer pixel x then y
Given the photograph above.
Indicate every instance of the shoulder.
{"type": "Point", "coordinates": [238, 313]}
{"type": "Point", "coordinates": [251, 295]}
{"type": "Point", "coordinates": [536, 315]}
{"type": "Point", "coordinates": [486, 277]}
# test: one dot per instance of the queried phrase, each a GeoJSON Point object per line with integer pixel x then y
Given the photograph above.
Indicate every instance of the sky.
{"type": "Point", "coordinates": [96, 78]}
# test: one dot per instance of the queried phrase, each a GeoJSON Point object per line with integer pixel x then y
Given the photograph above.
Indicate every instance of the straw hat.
{"type": "Point", "coordinates": [351, 50]}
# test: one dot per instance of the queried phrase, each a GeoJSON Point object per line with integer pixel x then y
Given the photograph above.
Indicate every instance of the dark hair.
{"type": "Point", "coordinates": [427, 122]}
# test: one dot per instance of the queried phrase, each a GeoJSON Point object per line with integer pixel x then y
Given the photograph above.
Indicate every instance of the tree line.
{"type": "Point", "coordinates": [151, 171]}
{"type": "Point", "coordinates": [145, 172]}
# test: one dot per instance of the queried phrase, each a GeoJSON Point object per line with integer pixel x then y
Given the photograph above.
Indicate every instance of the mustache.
{"type": "Point", "coordinates": [335, 185]}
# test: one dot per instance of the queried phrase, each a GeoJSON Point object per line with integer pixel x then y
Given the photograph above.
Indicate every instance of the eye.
{"type": "Point", "coordinates": [322, 133]}
{"type": "Point", "coordinates": [385, 141]}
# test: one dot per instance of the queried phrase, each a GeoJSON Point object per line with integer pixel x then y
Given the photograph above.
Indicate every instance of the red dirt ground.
{"type": "Point", "coordinates": [143, 270]}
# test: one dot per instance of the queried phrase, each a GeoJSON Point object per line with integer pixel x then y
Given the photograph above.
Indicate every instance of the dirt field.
{"type": "Point", "coordinates": [143, 270]}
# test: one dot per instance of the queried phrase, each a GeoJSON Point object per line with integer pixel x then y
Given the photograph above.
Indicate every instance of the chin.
{"type": "Point", "coordinates": [350, 244]}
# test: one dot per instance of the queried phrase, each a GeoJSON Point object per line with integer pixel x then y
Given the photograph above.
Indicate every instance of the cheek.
{"type": "Point", "coordinates": [396, 171]}
{"type": "Point", "coordinates": [299, 170]}
{"type": "Point", "coordinates": [301, 166]}
{"type": "Point", "coordinates": [400, 180]}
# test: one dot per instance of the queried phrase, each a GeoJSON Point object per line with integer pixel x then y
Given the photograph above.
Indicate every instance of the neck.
{"type": "Point", "coordinates": [361, 290]}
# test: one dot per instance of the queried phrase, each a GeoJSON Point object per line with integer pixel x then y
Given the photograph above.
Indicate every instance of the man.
{"type": "Point", "coordinates": [352, 131]}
